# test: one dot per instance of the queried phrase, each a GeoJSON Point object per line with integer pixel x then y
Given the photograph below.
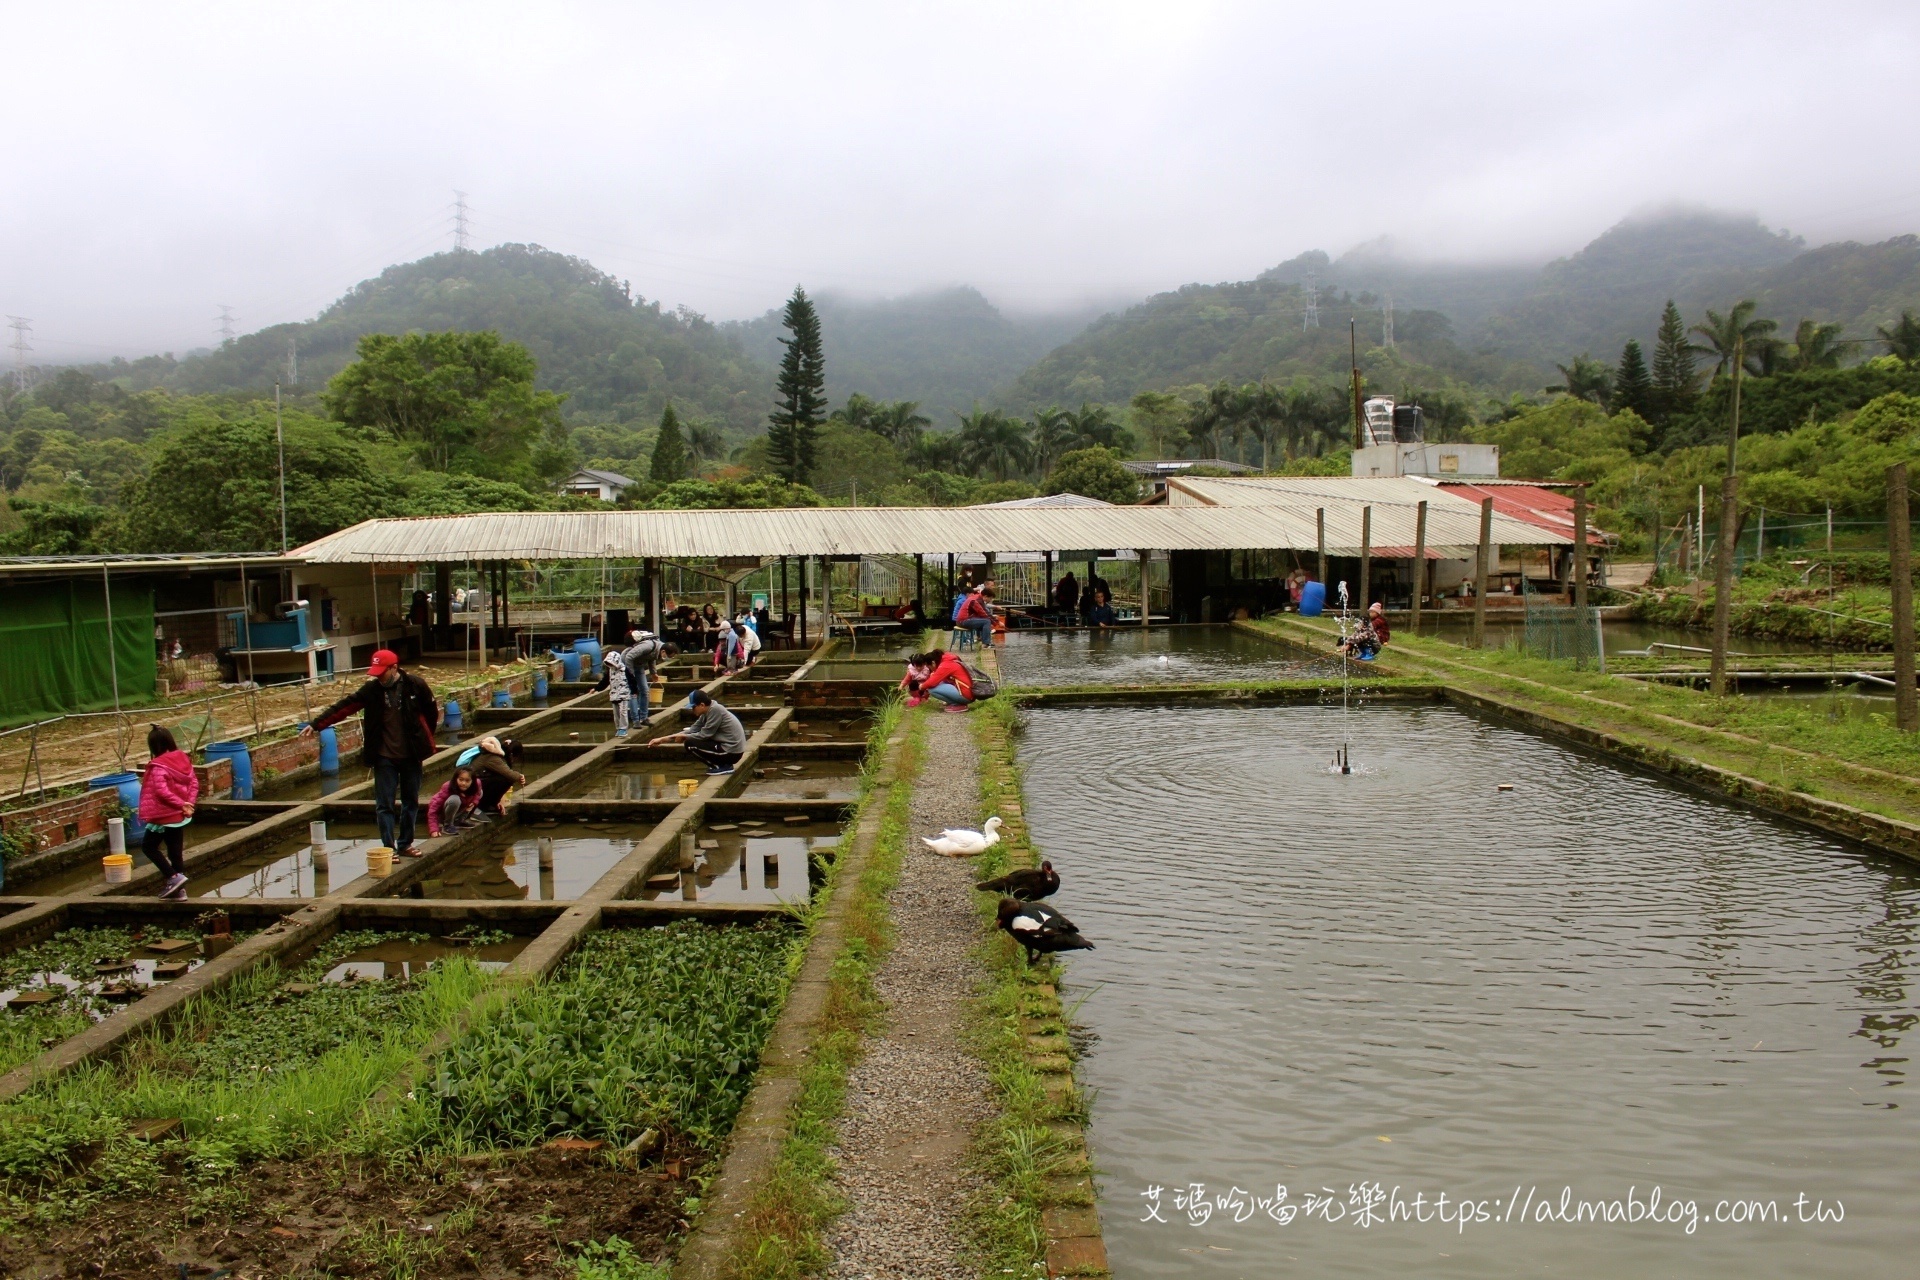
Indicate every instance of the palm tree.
{"type": "Point", "coordinates": [1903, 340]}
{"type": "Point", "coordinates": [857, 412]}
{"type": "Point", "coordinates": [704, 441]}
{"type": "Point", "coordinates": [992, 441]}
{"type": "Point", "coordinates": [899, 421]}
{"type": "Point", "coordinates": [1814, 346]}
{"type": "Point", "coordinates": [1587, 379]}
{"type": "Point", "coordinates": [1217, 414]}
{"type": "Point", "coordinates": [1738, 330]}
{"type": "Point", "coordinates": [935, 451]}
{"type": "Point", "coordinates": [1263, 407]}
{"type": "Point", "coordinates": [1094, 424]}
{"type": "Point", "coordinates": [1053, 435]}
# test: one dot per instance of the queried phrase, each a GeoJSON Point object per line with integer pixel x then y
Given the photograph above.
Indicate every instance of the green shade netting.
{"type": "Point", "coordinates": [53, 648]}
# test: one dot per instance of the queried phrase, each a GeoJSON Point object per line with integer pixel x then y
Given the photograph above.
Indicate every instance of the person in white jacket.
{"type": "Point", "coordinates": [748, 639]}
{"type": "Point", "coordinates": [613, 678]}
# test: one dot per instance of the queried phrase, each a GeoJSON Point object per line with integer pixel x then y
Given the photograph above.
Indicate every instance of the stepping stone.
{"type": "Point", "coordinates": [34, 999]}
{"type": "Point", "coordinates": [797, 819]}
{"type": "Point", "coordinates": [122, 992]}
{"type": "Point", "coordinates": [170, 970]}
{"type": "Point", "coordinates": [709, 844]}
{"type": "Point", "coordinates": [107, 968]}
{"type": "Point", "coordinates": [664, 882]}
{"type": "Point", "coordinates": [815, 794]}
{"type": "Point", "coordinates": [171, 946]}
{"type": "Point", "coordinates": [575, 1144]}
{"type": "Point", "coordinates": [722, 826]}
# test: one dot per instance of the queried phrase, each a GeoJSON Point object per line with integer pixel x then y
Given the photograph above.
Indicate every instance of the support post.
{"type": "Point", "coordinates": [1366, 556]}
{"type": "Point", "coordinates": [113, 660]}
{"type": "Point", "coordinates": [1580, 556]}
{"type": "Point", "coordinates": [442, 600]}
{"type": "Point", "coordinates": [1480, 574]}
{"type": "Point", "coordinates": [920, 581]}
{"type": "Point", "coordinates": [1728, 535]}
{"type": "Point", "coordinates": [804, 643]}
{"type": "Point", "coordinates": [1900, 554]}
{"type": "Point", "coordinates": [481, 645]}
{"type": "Point", "coordinates": [1419, 574]}
{"type": "Point", "coordinates": [1320, 522]}
{"type": "Point", "coordinates": [1146, 606]}
{"type": "Point", "coordinates": [1047, 604]}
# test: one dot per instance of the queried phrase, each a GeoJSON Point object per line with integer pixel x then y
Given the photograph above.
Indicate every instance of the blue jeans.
{"type": "Point", "coordinates": [639, 708]}
{"type": "Point", "coordinates": [982, 629]}
{"type": "Point", "coordinates": [949, 693]}
{"type": "Point", "coordinates": [396, 796]}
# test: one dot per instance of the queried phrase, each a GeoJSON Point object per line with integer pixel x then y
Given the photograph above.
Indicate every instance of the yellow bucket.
{"type": "Point", "coordinates": [118, 866]}
{"type": "Point", "coordinates": [379, 862]}
{"type": "Point", "coordinates": [688, 786]}
{"type": "Point", "coordinates": [657, 695]}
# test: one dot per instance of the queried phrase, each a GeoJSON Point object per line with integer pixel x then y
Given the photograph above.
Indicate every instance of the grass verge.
{"type": "Point", "coordinates": [782, 1233]}
{"type": "Point", "coordinates": [1033, 1152]}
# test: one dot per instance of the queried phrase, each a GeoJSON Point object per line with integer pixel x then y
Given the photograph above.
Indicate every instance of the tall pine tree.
{"type": "Point", "coordinates": [669, 450]}
{"type": "Point", "coordinates": [1673, 376]}
{"type": "Point", "coordinates": [1632, 387]}
{"type": "Point", "coordinates": [793, 428]}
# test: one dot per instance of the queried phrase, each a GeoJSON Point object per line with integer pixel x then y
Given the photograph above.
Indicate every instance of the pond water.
{"type": "Point", "coordinates": [652, 780]}
{"type": "Point", "coordinates": [539, 863]}
{"type": "Point", "coordinates": [1406, 977]}
{"type": "Point", "coordinates": [405, 958]}
{"type": "Point", "coordinates": [765, 861]}
{"type": "Point", "coordinates": [319, 786]}
{"type": "Point", "coordinates": [1620, 637]}
{"type": "Point", "coordinates": [815, 725]}
{"type": "Point", "coordinates": [88, 872]}
{"type": "Point", "coordinates": [1158, 655]}
{"type": "Point", "coordinates": [293, 867]}
{"type": "Point", "coordinates": [805, 780]}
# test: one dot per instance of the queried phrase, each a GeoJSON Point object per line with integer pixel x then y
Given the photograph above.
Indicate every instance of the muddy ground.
{"type": "Point", "coordinates": [511, 1214]}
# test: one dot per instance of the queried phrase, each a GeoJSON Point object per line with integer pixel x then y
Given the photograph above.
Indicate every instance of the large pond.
{"type": "Point", "coordinates": [1409, 980]}
{"type": "Point", "coordinates": [1158, 655]}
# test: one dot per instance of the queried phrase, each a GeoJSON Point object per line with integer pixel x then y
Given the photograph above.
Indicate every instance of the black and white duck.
{"type": "Point", "coordinates": [1039, 928]}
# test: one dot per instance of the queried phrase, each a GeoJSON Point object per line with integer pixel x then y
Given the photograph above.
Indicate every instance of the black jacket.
{"type": "Point", "coordinates": [419, 711]}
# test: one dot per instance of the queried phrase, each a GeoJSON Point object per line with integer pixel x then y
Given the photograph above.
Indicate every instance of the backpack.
{"type": "Point", "coordinates": [984, 686]}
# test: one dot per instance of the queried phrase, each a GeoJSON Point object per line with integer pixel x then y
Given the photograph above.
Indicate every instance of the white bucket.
{"type": "Point", "coordinates": [316, 833]}
{"type": "Point", "coordinates": [546, 853]}
{"type": "Point", "coordinates": [118, 867]}
{"type": "Point", "coordinates": [116, 835]}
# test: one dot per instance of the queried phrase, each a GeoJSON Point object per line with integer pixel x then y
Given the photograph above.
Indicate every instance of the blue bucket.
{"type": "Point", "coordinates": [128, 785]}
{"type": "Point", "coordinates": [1313, 599]}
{"type": "Point", "coordinates": [589, 650]}
{"type": "Point", "coordinates": [329, 751]}
{"type": "Point", "coordinates": [540, 685]}
{"type": "Point", "coordinates": [570, 666]}
{"type": "Point", "coordinates": [501, 698]}
{"type": "Point", "coordinates": [242, 759]}
{"type": "Point", "coordinates": [453, 717]}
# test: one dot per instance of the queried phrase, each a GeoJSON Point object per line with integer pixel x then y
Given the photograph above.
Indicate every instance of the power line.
{"type": "Point", "coordinates": [22, 330]}
{"type": "Point", "coordinates": [461, 235]}
{"type": "Point", "coordinates": [226, 323]}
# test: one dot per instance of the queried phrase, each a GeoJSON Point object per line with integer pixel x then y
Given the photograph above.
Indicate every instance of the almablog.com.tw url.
{"type": "Point", "coordinates": [1371, 1204]}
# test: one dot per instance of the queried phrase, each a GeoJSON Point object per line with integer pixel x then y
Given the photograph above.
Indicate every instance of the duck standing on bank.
{"type": "Point", "coordinates": [1026, 884]}
{"type": "Point", "coordinates": [1039, 928]}
{"type": "Point", "coordinates": [957, 842]}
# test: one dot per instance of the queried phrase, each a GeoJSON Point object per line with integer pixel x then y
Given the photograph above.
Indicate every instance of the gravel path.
{"type": "Point", "coordinates": [915, 1099]}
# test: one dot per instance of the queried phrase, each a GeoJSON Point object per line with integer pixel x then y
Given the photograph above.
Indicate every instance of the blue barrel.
{"type": "Point", "coordinates": [128, 785]}
{"type": "Point", "coordinates": [453, 718]}
{"type": "Point", "coordinates": [570, 666]}
{"type": "Point", "coordinates": [501, 698]}
{"type": "Point", "coordinates": [589, 650]}
{"type": "Point", "coordinates": [329, 751]}
{"type": "Point", "coordinates": [242, 765]}
{"type": "Point", "coordinates": [1313, 599]}
{"type": "Point", "coordinates": [540, 684]}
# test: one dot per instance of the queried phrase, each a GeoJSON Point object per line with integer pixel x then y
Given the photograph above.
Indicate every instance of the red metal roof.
{"type": "Point", "coordinates": [1544, 508]}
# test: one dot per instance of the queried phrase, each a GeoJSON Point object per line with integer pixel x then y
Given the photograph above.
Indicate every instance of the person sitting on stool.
{"type": "Point", "coordinates": [715, 738]}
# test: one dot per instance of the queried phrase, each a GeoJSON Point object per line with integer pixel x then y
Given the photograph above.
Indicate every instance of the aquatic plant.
{"type": "Point", "coordinates": [641, 1028]}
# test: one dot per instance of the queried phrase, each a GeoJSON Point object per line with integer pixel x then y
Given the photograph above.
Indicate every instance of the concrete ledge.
{"type": "Point", "coordinates": [1314, 692]}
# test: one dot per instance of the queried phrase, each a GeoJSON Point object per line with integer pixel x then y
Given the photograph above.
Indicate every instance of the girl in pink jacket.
{"type": "Point", "coordinates": [167, 796]}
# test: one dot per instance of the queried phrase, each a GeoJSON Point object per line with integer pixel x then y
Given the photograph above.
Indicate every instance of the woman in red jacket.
{"type": "Point", "coordinates": [167, 796]}
{"type": "Point", "coordinates": [947, 680]}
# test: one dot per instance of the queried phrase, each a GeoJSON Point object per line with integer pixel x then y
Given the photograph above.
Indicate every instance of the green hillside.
{"type": "Point", "coordinates": [944, 349]}
{"type": "Point", "coordinates": [618, 357]}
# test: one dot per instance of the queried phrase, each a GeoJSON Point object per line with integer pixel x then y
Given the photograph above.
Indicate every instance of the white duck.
{"type": "Point", "coordinates": [961, 843]}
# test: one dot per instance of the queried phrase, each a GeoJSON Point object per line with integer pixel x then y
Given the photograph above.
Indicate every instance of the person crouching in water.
{"type": "Point", "coordinates": [715, 738]}
{"type": "Point", "coordinates": [1371, 637]}
{"type": "Point", "coordinates": [456, 805]}
{"type": "Point", "coordinates": [613, 678]}
{"type": "Point", "coordinates": [168, 791]}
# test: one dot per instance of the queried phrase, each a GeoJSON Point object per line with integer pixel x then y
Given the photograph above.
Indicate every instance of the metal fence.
{"type": "Point", "coordinates": [1563, 631]}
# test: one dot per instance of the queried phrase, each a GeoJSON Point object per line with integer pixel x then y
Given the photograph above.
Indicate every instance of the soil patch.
{"type": "Point", "coordinates": [504, 1215]}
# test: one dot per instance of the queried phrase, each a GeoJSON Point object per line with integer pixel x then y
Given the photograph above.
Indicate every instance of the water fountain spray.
{"type": "Point", "coordinates": [1342, 759]}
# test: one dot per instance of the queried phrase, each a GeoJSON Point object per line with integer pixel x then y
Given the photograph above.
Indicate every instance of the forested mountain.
{"type": "Point", "coordinates": [1497, 328]}
{"type": "Point", "coordinates": [944, 349]}
{"type": "Point", "coordinates": [618, 357]}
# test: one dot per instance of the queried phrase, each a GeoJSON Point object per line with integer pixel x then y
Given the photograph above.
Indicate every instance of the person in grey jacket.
{"type": "Point", "coordinates": [646, 650]}
{"type": "Point", "coordinates": [716, 736]}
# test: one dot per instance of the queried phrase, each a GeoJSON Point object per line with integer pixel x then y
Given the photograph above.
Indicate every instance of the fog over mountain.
{"type": "Point", "coordinates": [166, 162]}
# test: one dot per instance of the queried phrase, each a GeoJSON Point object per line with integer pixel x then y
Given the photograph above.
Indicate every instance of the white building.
{"type": "Point", "coordinates": [604, 485]}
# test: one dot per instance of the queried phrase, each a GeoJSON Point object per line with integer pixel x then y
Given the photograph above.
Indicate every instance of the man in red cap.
{"type": "Point", "coordinates": [397, 717]}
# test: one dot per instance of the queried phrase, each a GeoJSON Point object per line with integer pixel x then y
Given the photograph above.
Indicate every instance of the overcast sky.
{"type": "Point", "coordinates": [166, 159]}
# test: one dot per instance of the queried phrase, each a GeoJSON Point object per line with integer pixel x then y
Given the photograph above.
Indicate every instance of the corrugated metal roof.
{"type": "Point", "coordinates": [1547, 508]}
{"type": "Point", "coordinates": [1047, 500]}
{"type": "Point", "coordinates": [848, 531]}
{"type": "Point", "coordinates": [1453, 522]}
